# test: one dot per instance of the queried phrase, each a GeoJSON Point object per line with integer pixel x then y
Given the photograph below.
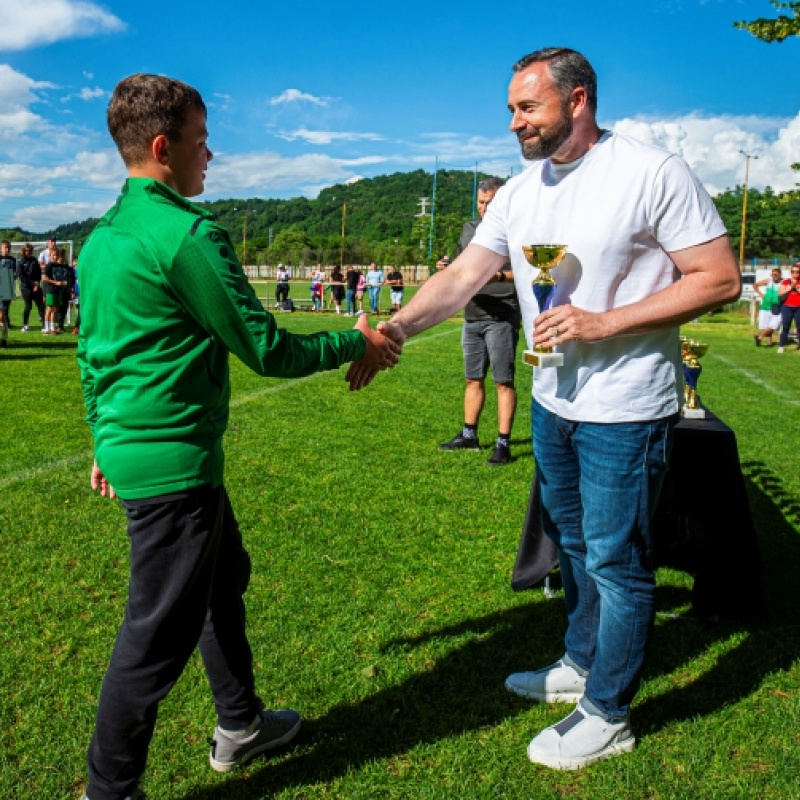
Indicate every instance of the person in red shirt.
{"type": "Point", "coordinates": [789, 293]}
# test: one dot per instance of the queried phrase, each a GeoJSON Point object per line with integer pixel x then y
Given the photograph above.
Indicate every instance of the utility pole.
{"type": "Point", "coordinates": [423, 202]}
{"type": "Point", "coordinates": [747, 156]}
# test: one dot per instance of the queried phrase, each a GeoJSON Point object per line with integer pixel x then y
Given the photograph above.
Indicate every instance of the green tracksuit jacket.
{"type": "Point", "coordinates": [163, 302]}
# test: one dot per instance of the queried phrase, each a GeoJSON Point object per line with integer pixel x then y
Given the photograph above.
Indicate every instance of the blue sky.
{"type": "Point", "coordinates": [305, 95]}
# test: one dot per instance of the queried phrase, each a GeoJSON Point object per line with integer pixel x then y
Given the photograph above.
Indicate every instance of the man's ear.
{"type": "Point", "coordinates": [159, 148]}
{"type": "Point", "coordinates": [579, 101]}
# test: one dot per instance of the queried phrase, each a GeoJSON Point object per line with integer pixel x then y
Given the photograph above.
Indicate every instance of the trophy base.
{"type": "Point", "coordinates": [693, 413]}
{"type": "Point", "coordinates": [543, 360]}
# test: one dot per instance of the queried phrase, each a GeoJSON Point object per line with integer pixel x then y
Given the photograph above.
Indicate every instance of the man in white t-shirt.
{"type": "Point", "coordinates": [647, 251]}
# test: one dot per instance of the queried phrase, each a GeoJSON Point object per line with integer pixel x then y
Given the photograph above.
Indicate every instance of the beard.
{"type": "Point", "coordinates": [547, 142]}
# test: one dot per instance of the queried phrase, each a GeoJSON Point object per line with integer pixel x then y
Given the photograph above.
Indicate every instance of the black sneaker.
{"type": "Point", "coordinates": [276, 728]}
{"type": "Point", "coordinates": [757, 340]}
{"type": "Point", "coordinates": [501, 455]}
{"type": "Point", "coordinates": [461, 442]}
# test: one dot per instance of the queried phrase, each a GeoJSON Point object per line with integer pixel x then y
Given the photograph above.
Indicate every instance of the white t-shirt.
{"type": "Point", "coordinates": [620, 210]}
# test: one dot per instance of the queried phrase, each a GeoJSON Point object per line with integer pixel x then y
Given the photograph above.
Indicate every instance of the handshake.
{"type": "Point", "coordinates": [384, 346]}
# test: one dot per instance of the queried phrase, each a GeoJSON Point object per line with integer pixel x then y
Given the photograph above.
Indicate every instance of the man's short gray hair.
{"type": "Point", "coordinates": [568, 69]}
{"type": "Point", "coordinates": [490, 184]}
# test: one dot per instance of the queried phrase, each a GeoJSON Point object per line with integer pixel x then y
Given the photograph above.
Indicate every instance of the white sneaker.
{"type": "Point", "coordinates": [579, 740]}
{"type": "Point", "coordinates": [781, 349]}
{"type": "Point", "coordinates": [24, 328]}
{"type": "Point", "coordinates": [557, 683]}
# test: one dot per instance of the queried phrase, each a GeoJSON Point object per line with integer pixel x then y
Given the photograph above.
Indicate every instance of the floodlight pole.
{"type": "Point", "coordinates": [341, 249]}
{"type": "Point", "coordinates": [475, 192]}
{"type": "Point", "coordinates": [747, 156]}
{"type": "Point", "coordinates": [244, 239]}
{"type": "Point", "coordinates": [433, 208]}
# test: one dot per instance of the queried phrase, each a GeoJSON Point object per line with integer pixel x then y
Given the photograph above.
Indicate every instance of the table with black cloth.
{"type": "Point", "coordinates": [703, 524]}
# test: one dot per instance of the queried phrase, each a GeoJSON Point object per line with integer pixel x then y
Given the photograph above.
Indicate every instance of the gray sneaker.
{"type": "Point", "coordinates": [580, 739]}
{"type": "Point", "coordinates": [137, 795]}
{"type": "Point", "coordinates": [276, 728]}
{"type": "Point", "coordinates": [557, 683]}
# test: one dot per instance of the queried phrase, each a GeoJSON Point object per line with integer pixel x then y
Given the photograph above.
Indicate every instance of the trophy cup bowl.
{"type": "Point", "coordinates": [543, 257]}
{"type": "Point", "coordinates": [691, 352]}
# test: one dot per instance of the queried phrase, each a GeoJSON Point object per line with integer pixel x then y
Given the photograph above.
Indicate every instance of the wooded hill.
{"type": "Point", "coordinates": [382, 222]}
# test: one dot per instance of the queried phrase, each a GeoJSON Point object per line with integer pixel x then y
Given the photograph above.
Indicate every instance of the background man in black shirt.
{"type": "Point", "coordinates": [491, 332]}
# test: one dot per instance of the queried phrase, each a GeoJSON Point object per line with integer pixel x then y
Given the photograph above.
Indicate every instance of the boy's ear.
{"type": "Point", "coordinates": [159, 149]}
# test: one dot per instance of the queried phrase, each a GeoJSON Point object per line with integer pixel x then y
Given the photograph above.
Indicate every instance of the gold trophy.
{"type": "Point", "coordinates": [544, 257]}
{"type": "Point", "coordinates": [691, 352]}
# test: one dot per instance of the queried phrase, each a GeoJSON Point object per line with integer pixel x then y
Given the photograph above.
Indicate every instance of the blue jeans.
{"type": "Point", "coordinates": [600, 484]}
{"type": "Point", "coordinates": [350, 301]}
{"type": "Point", "coordinates": [374, 291]}
{"type": "Point", "coordinates": [789, 313]}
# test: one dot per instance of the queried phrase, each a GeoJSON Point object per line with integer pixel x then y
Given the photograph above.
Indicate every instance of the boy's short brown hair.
{"type": "Point", "coordinates": [144, 106]}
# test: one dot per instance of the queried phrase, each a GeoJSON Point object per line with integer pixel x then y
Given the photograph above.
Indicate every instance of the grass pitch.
{"type": "Point", "coordinates": [380, 605]}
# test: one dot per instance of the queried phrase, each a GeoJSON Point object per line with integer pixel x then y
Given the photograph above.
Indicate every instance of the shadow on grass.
{"type": "Point", "coordinates": [464, 690]}
{"type": "Point", "coordinates": [771, 643]}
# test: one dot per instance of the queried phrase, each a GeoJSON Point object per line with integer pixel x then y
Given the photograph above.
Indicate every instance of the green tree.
{"type": "Point", "coordinates": [13, 235]}
{"type": "Point", "coordinates": [773, 221]}
{"type": "Point", "coordinates": [774, 30]}
{"type": "Point", "coordinates": [290, 245]}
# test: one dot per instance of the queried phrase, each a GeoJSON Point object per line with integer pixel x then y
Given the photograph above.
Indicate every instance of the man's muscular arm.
{"type": "Point", "coordinates": [444, 293]}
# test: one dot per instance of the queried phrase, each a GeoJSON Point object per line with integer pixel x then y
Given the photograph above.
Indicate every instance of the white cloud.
{"type": "Point", "coordinates": [47, 217]}
{"type": "Point", "coordinates": [267, 172]}
{"type": "Point", "coordinates": [296, 96]}
{"type": "Point", "coordinates": [17, 93]}
{"type": "Point", "coordinates": [92, 94]}
{"type": "Point", "coordinates": [326, 137]}
{"type": "Point", "coordinates": [32, 23]}
{"type": "Point", "coordinates": [711, 146]}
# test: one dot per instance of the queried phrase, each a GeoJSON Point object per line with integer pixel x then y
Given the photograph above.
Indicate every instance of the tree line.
{"type": "Point", "coordinates": [382, 222]}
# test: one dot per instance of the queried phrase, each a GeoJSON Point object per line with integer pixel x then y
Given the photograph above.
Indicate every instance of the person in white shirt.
{"type": "Point", "coordinates": [46, 255]}
{"type": "Point", "coordinates": [374, 283]}
{"type": "Point", "coordinates": [768, 321]}
{"type": "Point", "coordinates": [647, 251]}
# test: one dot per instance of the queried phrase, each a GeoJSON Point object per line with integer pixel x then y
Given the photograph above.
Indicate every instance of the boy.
{"type": "Point", "coordinates": [163, 302]}
{"type": "Point", "coordinates": [55, 284]}
{"type": "Point", "coordinates": [29, 273]}
{"type": "Point", "coordinates": [8, 269]}
{"type": "Point", "coordinates": [395, 281]}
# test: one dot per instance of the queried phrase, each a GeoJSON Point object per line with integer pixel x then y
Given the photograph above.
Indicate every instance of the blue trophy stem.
{"type": "Point", "coordinates": [543, 292]}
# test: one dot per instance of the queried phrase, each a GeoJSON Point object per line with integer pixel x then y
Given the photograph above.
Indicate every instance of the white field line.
{"type": "Point", "coordinates": [49, 467]}
{"type": "Point", "coordinates": [786, 397]}
{"type": "Point", "coordinates": [44, 469]}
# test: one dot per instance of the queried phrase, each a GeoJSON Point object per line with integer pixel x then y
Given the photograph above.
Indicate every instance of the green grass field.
{"type": "Point", "coordinates": [380, 605]}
